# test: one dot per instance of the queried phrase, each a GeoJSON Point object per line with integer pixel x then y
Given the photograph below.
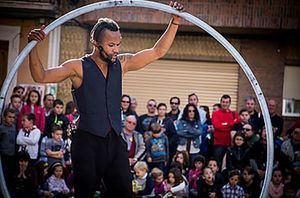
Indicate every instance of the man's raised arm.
{"type": "Point", "coordinates": [39, 74]}
{"type": "Point", "coordinates": [132, 62]}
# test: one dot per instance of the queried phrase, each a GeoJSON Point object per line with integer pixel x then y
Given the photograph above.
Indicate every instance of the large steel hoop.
{"type": "Point", "coordinates": [165, 8]}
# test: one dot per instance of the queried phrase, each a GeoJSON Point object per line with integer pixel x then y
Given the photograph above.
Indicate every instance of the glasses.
{"type": "Point", "coordinates": [151, 105]}
{"type": "Point", "coordinates": [125, 101]}
{"type": "Point", "coordinates": [130, 122]}
{"type": "Point", "coordinates": [174, 103]}
{"type": "Point", "coordinates": [246, 129]}
{"type": "Point", "coordinates": [191, 111]}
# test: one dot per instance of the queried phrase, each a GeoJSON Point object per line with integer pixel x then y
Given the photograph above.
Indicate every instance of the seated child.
{"type": "Point", "coordinates": [56, 183]}
{"type": "Point", "coordinates": [160, 186]}
{"type": "Point", "coordinates": [232, 189]}
{"type": "Point", "coordinates": [142, 183]}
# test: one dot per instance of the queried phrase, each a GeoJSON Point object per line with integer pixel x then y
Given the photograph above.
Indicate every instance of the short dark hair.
{"type": "Point", "coordinates": [23, 156]}
{"type": "Point", "coordinates": [175, 97]}
{"type": "Point", "coordinates": [218, 105]}
{"type": "Point", "coordinates": [14, 96]}
{"type": "Point", "coordinates": [155, 128]}
{"type": "Point", "coordinates": [16, 88]}
{"type": "Point", "coordinates": [8, 110]}
{"type": "Point", "coordinates": [102, 24]}
{"type": "Point", "coordinates": [193, 94]}
{"type": "Point", "coordinates": [160, 105]}
{"type": "Point", "coordinates": [58, 102]}
{"type": "Point", "coordinates": [242, 111]}
{"type": "Point", "coordinates": [225, 96]}
{"type": "Point", "coordinates": [56, 128]}
{"type": "Point", "coordinates": [30, 116]}
{"type": "Point", "coordinates": [234, 173]}
{"type": "Point", "coordinates": [250, 98]}
{"type": "Point", "coordinates": [45, 96]}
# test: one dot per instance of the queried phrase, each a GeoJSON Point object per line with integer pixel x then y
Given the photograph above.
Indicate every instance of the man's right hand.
{"type": "Point", "coordinates": [37, 34]}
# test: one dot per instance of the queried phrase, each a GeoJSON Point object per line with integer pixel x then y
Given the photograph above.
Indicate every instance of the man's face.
{"type": "Point", "coordinates": [162, 110]}
{"type": "Point", "coordinates": [130, 124]}
{"type": "Point", "coordinates": [48, 103]}
{"type": "Point", "coordinates": [244, 117]}
{"type": "Point", "coordinates": [193, 100]}
{"type": "Point", "coordinates": [58, 109]}
{"type": "Point", "coordinates": [250, 105]}
{"type": "Point", "coordinates": [111, 41]}
{"type": "Point", "coordinates": [133, 104]}
{"type": "Point", "coordinates": [10, 118]}
{"type": "Point", "coordinates": [151, 106]}
{"type": "Point", "coordinates": [272, 106]}
{"type": "Point", "coordinates": [16, 102]}
{"type": "Point", "coordinates": [174, 104]}
{"type": "Point", "coordinates": [225, 103]}
{"type": "Point", "coordinates": [247, 129]}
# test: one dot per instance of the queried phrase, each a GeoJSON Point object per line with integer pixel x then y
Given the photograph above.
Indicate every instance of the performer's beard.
{"type": "Point", "coordinates": [105, 56]}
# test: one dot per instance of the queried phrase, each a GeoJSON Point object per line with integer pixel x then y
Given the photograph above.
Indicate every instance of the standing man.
{"type": "Point", "coordinates": [276, 120]}
{"type": "Point", "coordinates": [223, 121]}
{"type": "Point", "coordinates": [48, 103]}
{"type": "Point", "coordinates": [256, 118]}
{"type": "Point", "coordinates": [146, 118]}
{"type": "Point", "coordinates": [193, 99]}
{"type": "Point", "coordinates": [174, 103]}
{"type": "Point", "coordinates": [99, 153]}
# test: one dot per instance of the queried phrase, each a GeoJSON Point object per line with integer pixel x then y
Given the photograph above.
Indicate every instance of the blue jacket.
{"type": "Point", "coordinates": [189, 130]}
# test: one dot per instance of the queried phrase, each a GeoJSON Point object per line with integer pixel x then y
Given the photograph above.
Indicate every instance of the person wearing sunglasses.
{"type": "Point", "coordinates": [189, 129]}
{"type": "Point", "coordinates": [175, 111]}
{"type": "Point", "coordinates": [146, 119]}
{"type": "Point", "coordinates": [251, 137]}
{"type": "Point", "coordinates": [126, 110]}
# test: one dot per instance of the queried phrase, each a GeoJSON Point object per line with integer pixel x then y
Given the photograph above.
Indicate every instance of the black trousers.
{"type": "Point", "coordinates": [95, 160]}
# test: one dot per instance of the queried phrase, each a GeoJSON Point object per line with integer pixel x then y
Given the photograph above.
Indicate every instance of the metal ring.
{"type": "Point", "coordinates": [165, 8]}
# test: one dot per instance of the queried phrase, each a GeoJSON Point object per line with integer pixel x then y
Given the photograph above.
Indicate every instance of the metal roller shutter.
{"type": "Point", "coordinates": [166, 78]}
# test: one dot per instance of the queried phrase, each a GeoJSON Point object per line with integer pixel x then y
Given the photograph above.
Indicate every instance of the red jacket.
{"type": "Point", "coordinates": [39, 113]}
{"type": "Point", "coordinates": [223, 122]}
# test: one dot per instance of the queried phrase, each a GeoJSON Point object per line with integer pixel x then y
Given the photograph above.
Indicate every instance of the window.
{"type": "Point", "coordinates": [291, 91]}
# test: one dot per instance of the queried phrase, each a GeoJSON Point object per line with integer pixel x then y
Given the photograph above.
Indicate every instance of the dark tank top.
{"type": "Point", "coordinates": [98, 98]}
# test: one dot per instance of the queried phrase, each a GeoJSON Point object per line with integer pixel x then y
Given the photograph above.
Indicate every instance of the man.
{"type": "Point", "coordinates": [133, 104]}
{"type": "Point", "coordinates": [223, 121]}
{"type": "Point", "coordinates": [135, 142]}
{"type": "Point", "coordinates": [145, 119]}
{"type": "Point", "coordinates": [98, 151]}
{"type": "Point", "coordinates": [48, 103]}
{"type": "Point", "coordinates": [193, 99]}
{"type": "Point", "coordinates": [256, 118]}
{"type": "Point", "coordinates": [251, 137]}
{"type": "Point", "coordinates": [174, 103]}
{"type": "Point", "coordinates": [276, 120]}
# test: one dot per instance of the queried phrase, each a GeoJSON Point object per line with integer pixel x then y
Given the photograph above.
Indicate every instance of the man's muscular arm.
{"type": "Point", "coordinates": [54, 75]}
{"type": "Point", "coordinates": [132, 62]}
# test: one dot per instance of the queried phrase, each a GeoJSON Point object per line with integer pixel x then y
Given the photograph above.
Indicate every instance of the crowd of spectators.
{"type": "Point", "coordinates": [187, 152]}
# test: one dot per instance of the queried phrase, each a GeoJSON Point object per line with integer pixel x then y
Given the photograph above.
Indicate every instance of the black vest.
{"type": "Point", "coordinates": [98, 99]}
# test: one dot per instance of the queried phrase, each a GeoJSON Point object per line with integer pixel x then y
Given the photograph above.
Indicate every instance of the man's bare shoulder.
{"type": "Point", "coordinates": [72, 63]}
{"type": "Point", "coordinates": [123, 60]}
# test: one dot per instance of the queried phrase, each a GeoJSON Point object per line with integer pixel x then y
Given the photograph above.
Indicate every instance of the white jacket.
{"type": "Point", "coordinates": [30, 143]}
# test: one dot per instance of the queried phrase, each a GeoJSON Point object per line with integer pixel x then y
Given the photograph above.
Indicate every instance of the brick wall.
{"type": "Point", "coordinates": [266, 14]}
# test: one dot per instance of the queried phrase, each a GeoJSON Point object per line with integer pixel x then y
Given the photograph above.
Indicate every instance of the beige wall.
{"type": "Point", "coordinates": [24, 76]}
